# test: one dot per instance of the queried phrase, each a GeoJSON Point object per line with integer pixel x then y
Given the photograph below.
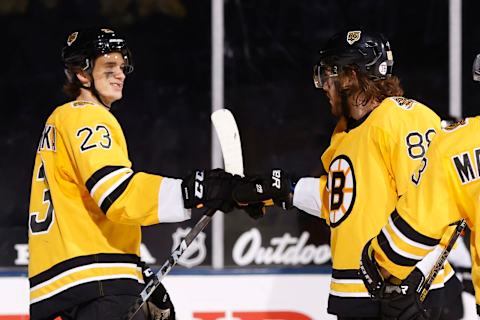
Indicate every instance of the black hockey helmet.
{"type": "Point", "coordinates": [476, 68]}
{"type": "Point", "coordinates": [370, 51]}
{"type": "Point", "coordinates": [83, 46]}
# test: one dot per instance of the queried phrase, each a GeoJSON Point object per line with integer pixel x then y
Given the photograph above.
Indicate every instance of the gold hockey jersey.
{"type": "Point", "coordinates": [369, 164]}
{"type": "Point", "coordinates": [86, 209]}
{"type": "Point", "coordinates": [444, 189]}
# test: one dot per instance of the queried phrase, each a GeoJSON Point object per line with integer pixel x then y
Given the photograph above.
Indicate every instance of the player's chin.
{"type": "Point", "coordinates": [115, 95]}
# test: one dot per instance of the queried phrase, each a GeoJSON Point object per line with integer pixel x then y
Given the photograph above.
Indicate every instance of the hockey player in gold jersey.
{"type": "Point", "coordinates": [379, 140]}
{"type": "Point", "coordinates": [87, 204]}
{"type": "Point", "coordinates": [444, 189]}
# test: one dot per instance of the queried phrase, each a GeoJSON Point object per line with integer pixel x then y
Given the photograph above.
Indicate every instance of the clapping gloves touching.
{"type": "Point", "coordinates": [220, 190]}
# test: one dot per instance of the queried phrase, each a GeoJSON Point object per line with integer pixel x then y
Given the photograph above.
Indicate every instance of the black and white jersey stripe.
{"type": "Point", "coordinates": [104, 176]}
{"type": "Point", "coordinates": [408, 237]}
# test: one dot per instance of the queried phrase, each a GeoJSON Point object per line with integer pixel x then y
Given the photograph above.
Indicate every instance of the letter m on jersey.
{"type": "Point", "coordinates": [464, 166]}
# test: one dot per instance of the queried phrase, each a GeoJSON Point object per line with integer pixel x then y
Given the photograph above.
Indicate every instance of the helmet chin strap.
{"type": "Point", "coordinates": [92, 86]}
{"type": "Point", "coordinates": [95, 93]}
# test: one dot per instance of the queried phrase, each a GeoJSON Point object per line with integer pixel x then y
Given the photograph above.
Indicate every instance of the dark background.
{"type": "Point", "coordinates": [270, 48]}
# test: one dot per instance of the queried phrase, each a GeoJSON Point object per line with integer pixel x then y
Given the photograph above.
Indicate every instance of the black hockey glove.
{"type": "Point", "coordinates": [209, 188]}
{"type": "Point", "coordinates": [466, 277]}
{"type": "Point", "coordinates": [402, 302]}
{"type": "Point", "coordinates": [256, 192]}
{"type": "Point", "coordinates": [159, 306]}
{"type": "Point", "coordinates": [369, 272]}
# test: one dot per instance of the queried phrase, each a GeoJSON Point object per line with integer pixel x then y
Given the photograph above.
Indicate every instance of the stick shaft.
{"type": "Point", "coordinates": [442, 258]}
{"type": "Point", "coordinates": [169, 264]}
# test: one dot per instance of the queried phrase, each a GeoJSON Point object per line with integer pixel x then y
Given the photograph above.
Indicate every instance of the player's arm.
{"type": "Point", "coordinates": [421, 218]}
{"type": "Point", "coordinates": [278, 188]}
{"type": "Point", "coordinates": [310, 195]}
{"type": "Point", "coordinates": [99, 156]}
{"type": "Point", "coordinates": [419, 222]}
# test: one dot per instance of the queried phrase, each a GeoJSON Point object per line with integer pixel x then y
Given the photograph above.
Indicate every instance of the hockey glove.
{"type": "Point", "coordinates": [159, 306]}
{"type": "Point", "coordinates": [466, 277]}
{"type": "Point", "coordinates": [370, 273]}
{"type": "Point", "coordinates": [209, 188]}
{"type": "Point", "coordinates": [402, 301]}
{"type": "Point", "coordinates": [258, 191]}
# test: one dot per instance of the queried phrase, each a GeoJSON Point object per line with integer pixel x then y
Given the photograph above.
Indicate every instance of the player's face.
{"type": "Point", "coordinates": [330, 87]}
{"type": "Point", "coordinates": [108, 77]}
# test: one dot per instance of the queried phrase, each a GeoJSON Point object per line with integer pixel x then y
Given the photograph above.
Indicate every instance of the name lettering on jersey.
{"type": "Point", "coordinates": [341, 187]}
{"type": "Point", "coordinates": [467, 166]}
{"type": "Point", "coordinates": [404, 103]}
{"type": "Point", "coordinates": [48, 139]}
{"type": "Point", "coordinates": [98, 137]}
{"type": "Point", "coordinates": [77, 104]}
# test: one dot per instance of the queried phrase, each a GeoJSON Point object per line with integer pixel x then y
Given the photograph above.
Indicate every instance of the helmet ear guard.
{"type": "Point", "coordinates": [370, 52]}
{"type": "Point", "coordinates": [476, 68]}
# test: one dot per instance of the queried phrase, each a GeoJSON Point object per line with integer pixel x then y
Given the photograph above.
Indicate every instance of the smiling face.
{"type": "Point", "coordinates": [108, 77]}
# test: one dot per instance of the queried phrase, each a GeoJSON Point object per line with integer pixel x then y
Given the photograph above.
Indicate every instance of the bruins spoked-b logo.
{"type": "Point", "coordinates": [341, 187]}
{"type": "Point", "coordinates": [353, 36]}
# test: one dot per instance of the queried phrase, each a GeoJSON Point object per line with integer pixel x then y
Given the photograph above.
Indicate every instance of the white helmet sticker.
{"type": "Point", "coordinates": [353, 36]}
{"type": "Point", "coordinates": [382, 68]}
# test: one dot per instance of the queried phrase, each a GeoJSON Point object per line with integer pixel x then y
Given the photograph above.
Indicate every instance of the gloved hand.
{"type": "Point", "coordinates": [159, 306]}
{"type": "Point", "coordinates": [260, 191]}
{"type": "Point", "coordinates": [466, 277]}
{"type": "Point", "coordinates": [209, 188]}
{"type": "Point", "coordinates": [369, 272]}
{"type": "Point", "coordinates": [402, 302]}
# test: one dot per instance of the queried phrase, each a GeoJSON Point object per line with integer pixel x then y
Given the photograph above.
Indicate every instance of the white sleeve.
{"type": "Point", "coordinates": [306, 196]}
{"type": "Point", "coordinates": [460, 256]}
{"type": "Point", "coordinates": [170, 202]}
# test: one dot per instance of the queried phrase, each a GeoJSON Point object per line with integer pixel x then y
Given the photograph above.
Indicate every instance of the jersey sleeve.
{"type": "Point", "coordinates": [310, 195]}
{"type": "Point", "coordinates": [421, 217]}
{"type": "Point", "coordinates": [99, 157]}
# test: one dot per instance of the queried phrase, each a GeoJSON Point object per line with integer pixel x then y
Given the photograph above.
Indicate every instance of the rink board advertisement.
{"type": "Point", "coordinates": [280, 239]}
{"type": "Point", "coordinates": [225, 297]}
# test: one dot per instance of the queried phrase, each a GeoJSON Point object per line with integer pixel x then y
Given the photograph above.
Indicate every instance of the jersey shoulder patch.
{"type": "Point", "coordinates": [403, 103]}
{"type": "Point", "coordinates": [455, 125]}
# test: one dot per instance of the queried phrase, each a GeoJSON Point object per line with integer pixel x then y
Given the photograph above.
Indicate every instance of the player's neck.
{"type": "Point", "coordinates": [360, 110]}
{"type": "Point", "coordinates": [87, 95]}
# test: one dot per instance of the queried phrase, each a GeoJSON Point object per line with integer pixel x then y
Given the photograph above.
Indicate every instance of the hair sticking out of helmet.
{"type": "Point", "coordinates": [370, 52]}
{"type": "Point", "coordinates": [476, 68]}
{"type": "Point", "coordinates": [85, 45]}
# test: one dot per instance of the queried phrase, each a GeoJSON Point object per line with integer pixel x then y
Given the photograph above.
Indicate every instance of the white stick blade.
{"type": "Point", "coordinates": [229, 137]}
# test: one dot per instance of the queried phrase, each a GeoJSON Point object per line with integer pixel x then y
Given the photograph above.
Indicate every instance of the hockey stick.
{"type": "Point", "coordinates": [229, 137]}
{"type": "Point", "coordinates": [442, 258]}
